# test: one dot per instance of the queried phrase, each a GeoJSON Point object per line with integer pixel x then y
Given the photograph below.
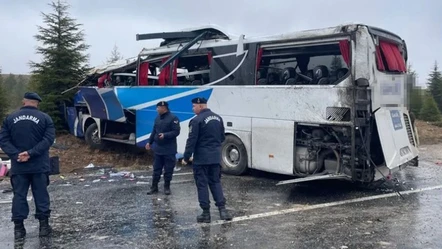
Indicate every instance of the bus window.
{"type": "Point", "coordinates": [306, 65]}
{"type": "Point", "coordinates": [194, 69]}
{"type": "Point", "coordinates": [190, 69]}
{"type": "Point", "coordinates": [389, 58]}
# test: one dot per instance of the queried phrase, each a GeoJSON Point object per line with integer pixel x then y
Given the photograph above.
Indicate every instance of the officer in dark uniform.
{"type": "Point", "coordinates": [206, 134]}
{"type": "Point", "coordinates": [164, 145]}
{"type": "Point", "coordinates": [26, 137]}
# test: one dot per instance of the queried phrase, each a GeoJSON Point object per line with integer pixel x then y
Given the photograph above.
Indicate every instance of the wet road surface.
{"type": "Point", "coordinates": [323, 214]}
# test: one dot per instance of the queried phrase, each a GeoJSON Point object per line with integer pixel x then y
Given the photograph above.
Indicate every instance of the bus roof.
{"type": "Point", "coordinates": [112, 66]}
{"type": "Point", "coordinates": [228, 39]}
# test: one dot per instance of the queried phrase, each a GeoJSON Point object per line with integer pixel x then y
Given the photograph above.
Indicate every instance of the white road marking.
{"type": "Point", "coordinates": [311, 207]}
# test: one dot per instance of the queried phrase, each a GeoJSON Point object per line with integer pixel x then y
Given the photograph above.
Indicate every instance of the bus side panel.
{"type": "Point", "coordinates": [396, 136]}
{"type": "Point", "coordinates": [103, 103]}
{"type": "Point", "coordinates": [273, 145]}
{"type": "Point", "coordinates": [179, 104]}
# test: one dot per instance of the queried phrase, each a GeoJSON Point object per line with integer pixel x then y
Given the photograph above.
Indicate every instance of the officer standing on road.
{"type": "Point", "coordinates": [206, 134]}
{"type": "Point", "coordinates": [164, 145]}
{"type": "Point", "coordinates": [26, 137]}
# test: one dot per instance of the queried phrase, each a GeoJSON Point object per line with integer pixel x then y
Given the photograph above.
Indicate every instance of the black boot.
{"type": "Point", "coordinates": [19, 230]}
{"type": "Point", "coordinates": [153, 188]}
{"type": "Point", "coordinates": [45, 228]}
{"type": "Point", "coordinates": [224, 214]}
{"type": "Point", "coordinates": [167, 188]}
{"type": "Point", "coordinates": [204, 217]}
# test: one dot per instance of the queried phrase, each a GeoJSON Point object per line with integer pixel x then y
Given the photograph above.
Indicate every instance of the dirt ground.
{"type": "Point", "coordinates": [75, 154]}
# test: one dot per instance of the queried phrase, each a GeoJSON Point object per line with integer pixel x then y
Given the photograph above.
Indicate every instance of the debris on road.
{"type": "Point", "coordinates": [90, 166]}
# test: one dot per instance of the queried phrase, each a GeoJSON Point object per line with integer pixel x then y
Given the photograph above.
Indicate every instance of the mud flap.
{"type": "Point", "coordinates": [316, 178]}
{"type": "Point", "coordinates": [396, 136]}
{"type": "Point", "coordinates": [103, 103]}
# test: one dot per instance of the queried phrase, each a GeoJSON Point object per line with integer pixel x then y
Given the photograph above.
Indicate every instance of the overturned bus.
{"type": "Point", "coordinates": [315, 104]}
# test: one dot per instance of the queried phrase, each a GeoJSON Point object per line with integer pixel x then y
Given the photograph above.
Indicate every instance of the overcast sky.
{"type": "Point", "coordinates": [116, 22]}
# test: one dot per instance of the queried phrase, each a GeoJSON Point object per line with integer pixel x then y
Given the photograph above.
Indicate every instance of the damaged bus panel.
{"type": "Point", "coordinates": [315, 104]}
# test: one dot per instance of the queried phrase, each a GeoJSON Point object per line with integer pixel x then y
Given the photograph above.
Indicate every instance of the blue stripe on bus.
{"type": "Point", "coordinates": [138, 95]}
{"type": "Point", "coordinates": [181, 107]}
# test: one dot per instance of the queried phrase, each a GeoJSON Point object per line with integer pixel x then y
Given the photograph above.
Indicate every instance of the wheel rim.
{"type": "Point", "coordinates": [95, 138]}
{"type": "Point", "coordinates": [231, 155]}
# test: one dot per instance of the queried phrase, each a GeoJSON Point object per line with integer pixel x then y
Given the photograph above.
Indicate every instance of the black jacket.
{"type": "Point", "coordinates": [206, 134]}
{"type": "Point", "coordinates": [31, 130]}
{"type": "Point", "coordinates": [169, 125]}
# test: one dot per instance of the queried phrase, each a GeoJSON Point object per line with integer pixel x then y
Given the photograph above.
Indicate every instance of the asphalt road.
{"type": "Point", "coordinates": [323, 214]}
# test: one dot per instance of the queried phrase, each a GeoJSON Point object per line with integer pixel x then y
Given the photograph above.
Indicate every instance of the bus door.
{"type": "Point", "coordinates": [103, 103]}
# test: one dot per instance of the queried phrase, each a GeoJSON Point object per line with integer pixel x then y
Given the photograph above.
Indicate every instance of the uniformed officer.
{"type": "Point", "coordinates": [206, 134]}
{"type": "Point", "coordinates": [164, 145]}
{"type": "Point", "coordinates": [26, 137]}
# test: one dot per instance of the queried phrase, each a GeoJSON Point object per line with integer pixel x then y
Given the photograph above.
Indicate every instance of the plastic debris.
{"type": "Point", "coordinates": [97, 180]}
{"type": "Point", "coordinates": [91, 165]}
{"type": "Point", "coordinates": [79, 203]}
{"type": "Point", "coordinates": [120, 174]}
{"type": "Point", "coordinates": [143, 183]}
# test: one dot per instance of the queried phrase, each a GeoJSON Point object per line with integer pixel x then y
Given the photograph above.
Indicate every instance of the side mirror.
{"type": "Point", "coordinates": [362, 82]}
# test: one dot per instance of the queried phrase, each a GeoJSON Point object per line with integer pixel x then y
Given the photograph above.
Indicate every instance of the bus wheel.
{"type": "Point", "coordinates": [233, 156]}
{"type": "Point", "coordinates": [92, 138]}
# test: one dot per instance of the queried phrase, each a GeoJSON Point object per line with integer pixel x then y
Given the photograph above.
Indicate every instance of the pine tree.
{"type": "Point", "coordinates": [115, 55]}
{"type": "Point", "coordinates": [430, 112]}
{"type": "Point", "coordinates": [63, 62]}
{"type": "Point", "coordinates": [435, 85]}
{"type": "Point", "coordinates": [414, 93]}
{"type": "Point", "coordinates": [4, 106]}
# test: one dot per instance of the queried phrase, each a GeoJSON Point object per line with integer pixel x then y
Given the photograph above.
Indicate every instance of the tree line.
{"type": "Point", "coordinates": [12, 89]}
{"type": "Point", "coordinates": [64, 63]}
{"type": "Point", "coordinates": [426, 104]}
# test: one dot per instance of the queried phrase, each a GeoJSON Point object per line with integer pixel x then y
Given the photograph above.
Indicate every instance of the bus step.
{"type": "Point", "coordinates": [117, 136]}
{"type": "Point", "coordinates": [315, 178]}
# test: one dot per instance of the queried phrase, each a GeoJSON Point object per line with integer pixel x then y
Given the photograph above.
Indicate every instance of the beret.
{"type": "Point", "coordinates": [32, 95]}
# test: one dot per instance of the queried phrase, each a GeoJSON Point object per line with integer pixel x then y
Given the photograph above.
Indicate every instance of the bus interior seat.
{"type": "Point", "coordinates": [341, 72]}
{"type": "Point", "coordinates": [261, 76]}
{"type": "Point", "coordinates": [195, 79]}
{"type": "Point", "coordinates": [273, 78]}
{"type": "Point", "coordinates": [289, 76]}
{"type": "Point", "coordinates": [320, 75]}
{"type": "Point", "coordinates": [338, 75]}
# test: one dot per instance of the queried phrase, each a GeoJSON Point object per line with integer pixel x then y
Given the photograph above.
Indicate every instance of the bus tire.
{"type": "Point", "coordinates": [92, 138]}
{"type": "Point", "coordinates": [233, 156]}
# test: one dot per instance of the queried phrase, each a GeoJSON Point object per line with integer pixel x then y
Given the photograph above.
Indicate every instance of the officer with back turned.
{"type": "Point", "coordinates": [206, 134]}
{"type": "Point", "coordinates": [164, 145]}
{"type": "Point", "coordinates": [26, 136]}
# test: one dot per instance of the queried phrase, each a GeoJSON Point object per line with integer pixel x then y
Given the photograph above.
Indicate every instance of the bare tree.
{"type": "Point", "coordinates": [115, 55]}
